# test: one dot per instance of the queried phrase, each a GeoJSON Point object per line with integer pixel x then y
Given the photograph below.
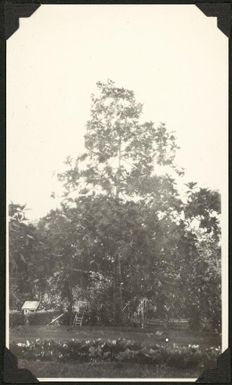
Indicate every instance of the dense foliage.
{"type": "Point", "coordinates": [29, 261]}
{"type": "Point", "coordinates": [122, 350]}
{"type": "Point", "coordinates": [123, 232]}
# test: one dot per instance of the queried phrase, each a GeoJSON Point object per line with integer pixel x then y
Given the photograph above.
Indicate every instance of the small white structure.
{"type": "Point", "coordinates": [80, 306]}
{"type": "Point", "coordinates": [30, 307]}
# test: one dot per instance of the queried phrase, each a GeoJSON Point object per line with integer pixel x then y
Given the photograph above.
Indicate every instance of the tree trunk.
{"type": "Point", "coordinates": [117, 287]}
{"type": "Point", "coordinates": [117, 291]}
{"type": "Point", "coordinates": [70, 302]}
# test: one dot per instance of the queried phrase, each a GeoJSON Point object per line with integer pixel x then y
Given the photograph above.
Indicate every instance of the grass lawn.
{"type": "Point", "coordinates": [50, 369]}
{"type": "Point", "coordinates": [76, 369]}
{"type": "Point", "coordinates": [144, 336]}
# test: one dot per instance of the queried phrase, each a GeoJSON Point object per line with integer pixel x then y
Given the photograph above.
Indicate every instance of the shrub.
{"type": "Point", "coordinates": [99, 316]}
{"type": "Point", "coordinates": [121, 350]}
{"type": "Point", "coordinates": [16, 318]}
{"type": "Point", "coordinates": [42, 317]}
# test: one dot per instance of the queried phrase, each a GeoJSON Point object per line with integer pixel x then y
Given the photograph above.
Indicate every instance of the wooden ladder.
{"type": "Point", "coordinates": [78, 320]}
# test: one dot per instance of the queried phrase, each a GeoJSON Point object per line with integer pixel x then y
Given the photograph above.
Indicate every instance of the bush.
{"type": "Point", "coordinates": [121, 350]}
{"type": "Point", "coordinates": [66, 319]}
{"type": "Point", "coordinates": [16, 318]}
{"type": "Point", "coordinates": [96, 316]}
{"type": "Point", "coordinates": [42, 317]}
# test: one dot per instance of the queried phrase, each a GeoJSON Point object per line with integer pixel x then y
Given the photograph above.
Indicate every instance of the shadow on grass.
{"type": "Point", "coordinates": [104, 370]}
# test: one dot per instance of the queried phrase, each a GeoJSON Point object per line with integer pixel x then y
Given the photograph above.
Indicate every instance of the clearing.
{"type": "Point", "coordinates": [147, 337]}
{"type": "Point", "coordinates": [144, 336]}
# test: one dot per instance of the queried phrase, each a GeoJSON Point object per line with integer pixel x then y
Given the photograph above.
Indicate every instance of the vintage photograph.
{"type": "Point", "coordinates": [117, 153]}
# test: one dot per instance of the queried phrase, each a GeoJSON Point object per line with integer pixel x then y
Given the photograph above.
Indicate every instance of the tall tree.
{"type": "Point", "coordinates": [122, 155]}
{"type": "Point", "coordinates": [122, 232]}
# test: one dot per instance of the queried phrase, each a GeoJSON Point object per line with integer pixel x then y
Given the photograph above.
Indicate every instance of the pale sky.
{"type": "Point", "coordinates": [172, 56]}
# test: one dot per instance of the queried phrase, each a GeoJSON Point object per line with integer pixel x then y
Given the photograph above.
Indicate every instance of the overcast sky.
{"type": "Point", "coordinates": [173, 57]}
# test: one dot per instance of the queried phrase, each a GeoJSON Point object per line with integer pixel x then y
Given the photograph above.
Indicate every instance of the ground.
{"type": "Point", "coordinates": [109, 369]}
{"type": "Point", "coordinates": [145, 336]}
{"type": "Point", "coordinates": [42, 369]}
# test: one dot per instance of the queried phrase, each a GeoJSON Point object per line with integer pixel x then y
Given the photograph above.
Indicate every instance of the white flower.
{"type": "Point", "coordinates": [21, 344]}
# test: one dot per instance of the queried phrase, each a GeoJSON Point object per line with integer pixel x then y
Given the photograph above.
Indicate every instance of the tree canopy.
{"type": "Point", "coordinates": [123, 232]}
